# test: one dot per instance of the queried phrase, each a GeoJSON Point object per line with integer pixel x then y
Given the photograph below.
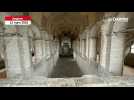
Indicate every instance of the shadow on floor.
{"type": "Point", "coordinates": [66, 67]}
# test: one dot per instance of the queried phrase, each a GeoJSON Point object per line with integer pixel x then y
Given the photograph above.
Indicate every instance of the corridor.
{"type": "Point", "coordinates": [67, 48]}
{"type": "Point", "coordinates": [66, 67]}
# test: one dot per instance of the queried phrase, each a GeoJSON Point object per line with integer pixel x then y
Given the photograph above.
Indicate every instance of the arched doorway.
{"type": "Point", "coordinates": [128, 69]}
{"type": "Point", "coordinates": [66, 47]}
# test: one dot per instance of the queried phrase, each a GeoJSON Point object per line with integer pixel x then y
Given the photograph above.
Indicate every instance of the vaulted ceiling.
{"type": "Point", "coordinates": [69, 23]}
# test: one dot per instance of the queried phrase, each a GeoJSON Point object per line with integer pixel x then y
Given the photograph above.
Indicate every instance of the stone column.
{"type": "Point", "coordinates": [47, 45]}
{"type": "Point", "coordinates": [118, 46]}
{"type": "Point", "coordinates": [2, 47]}
{"type": "Point", "coordinates": [112, 47]}
{"type": "Point", "coordinates": [57, 49]}
{"type": "Point", "coordinates": [83, 49]}
{"type": "Point", "coordinates": [13, 56]}
{"type": "Point", "coordinates": [25, 50]}
{"type": "Point", "coordinates": [51, 48]}
{"type": "Point", "coordinates": [105, 52]}
{"type": "Point", "coordinates": [55, 52]}
{"type": "Point", "coordinates": [18, 54]}
{"type": "Point", "coordinates": [74, 49]}
{"type": "Point", "coordinates": [87, 45]}
{"type": "Point", "coordinates": [106, 29]}
{"type": "Point", "coordinates": [80, 46]}
{"type": "Point", "coordinates": [92, 48]}
{"type": "Point", "coordinates": [43, 43]}
{"type": "Point", "coordinates": [44, 48]}
{"type": "Point", "coordinates": [116, 55]}
{"type": "Point", "coordinates": [27, 57]}
{"type": "Point", "coordinates": [38, 49]}
{"type": "Point", "coordinates": [47, 48]}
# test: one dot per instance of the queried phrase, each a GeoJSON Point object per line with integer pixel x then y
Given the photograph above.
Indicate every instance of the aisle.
{"type": "Point", "coordinates": [66, 67]}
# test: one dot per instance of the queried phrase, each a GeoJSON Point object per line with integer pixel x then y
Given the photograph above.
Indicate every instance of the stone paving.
{"type": "Point", "coordinates": [85, 81]}
{"type": "Point", "coordinates": [66, 67]}
{"type": "Point", "coordinates": [77, 80]}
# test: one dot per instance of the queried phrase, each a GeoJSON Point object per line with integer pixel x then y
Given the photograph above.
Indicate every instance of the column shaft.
{"type": "Point", "coordinates": [13, 57]}
{"type": "Point", "coordinates": [92, 48]}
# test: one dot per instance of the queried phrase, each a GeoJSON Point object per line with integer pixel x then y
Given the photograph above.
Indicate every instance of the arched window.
{"type": "Point", "coordinates": [132, 48]}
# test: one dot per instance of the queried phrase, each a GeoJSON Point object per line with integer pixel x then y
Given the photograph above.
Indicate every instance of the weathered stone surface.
{"type": "Point", "coordinates": [61, 82]}
{"type": "Point", "coordinates": [85, 81]}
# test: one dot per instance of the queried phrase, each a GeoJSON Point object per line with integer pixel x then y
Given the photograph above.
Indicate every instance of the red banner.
{"type": "Point", "coordinates": [17, 18]}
